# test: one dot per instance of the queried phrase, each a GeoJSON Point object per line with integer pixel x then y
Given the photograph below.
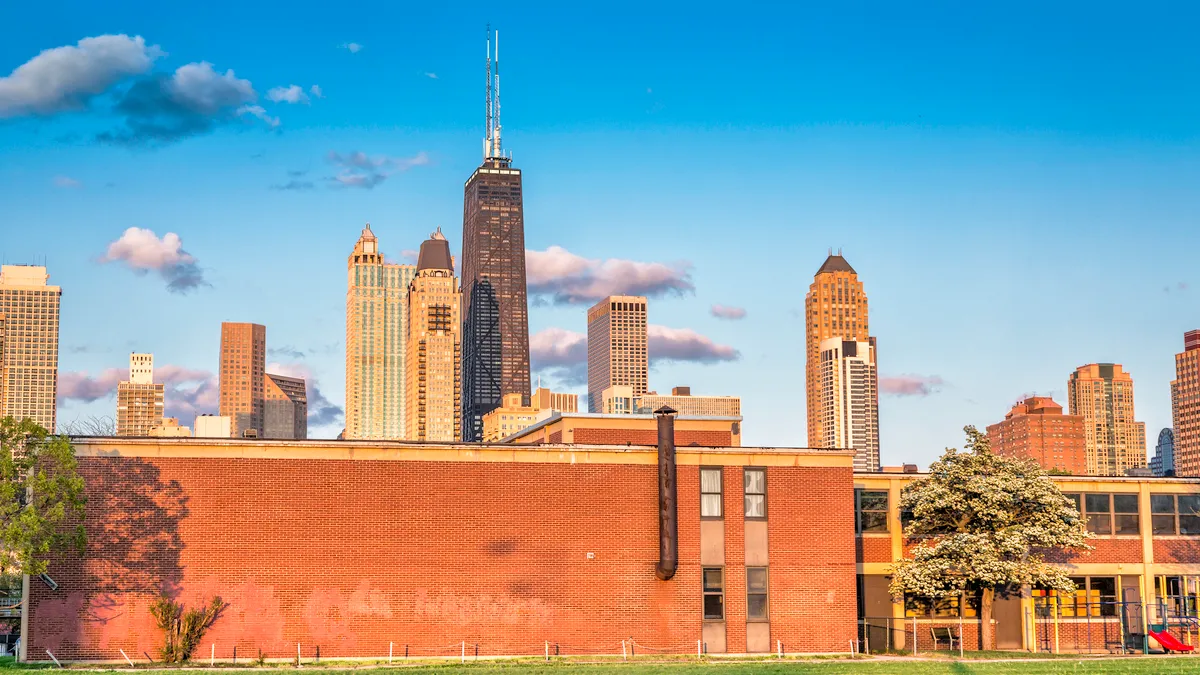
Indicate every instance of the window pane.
{"type": "Point", "coordinates": [712, 579]}
{"type": "Point", "coordinates": [710, 480]}
{"type": "Point", "coordinates": [1189, 524]}
{"type": "Point", "coordinates": [1074, 498]}
{"type": "Point", "coordinates": [1162, 504]}
{"type": "Point", "coordinates": [1127, 523]}
{"type": "Point", "coordinates": [874, 521]}
{"type": "Point", "coordinates": [1097, 504]}
{"type": "Point", "coordinates": [1100, 523]}
{"type": "Point", "coordinates": [756, 606]}
{"type": "Point", "coordinates": [756, 579]}
{"type": "Point", "coordinates": [714, 606]}
{"type": "Point", "coordinates": [874, 501]}
{"type": "Point", "coordinates": [710, 506]}
{"type": "Point", "coordinates": [756, 506]}
{"type": "Point", "coordinates": [755, 481]}
{"type": "Point", "coordinates": [1125, 504]}
{"type": "Point", "coordinates": [1189, 505]}
{"type": "Point", "coordinates": [1163, 524]}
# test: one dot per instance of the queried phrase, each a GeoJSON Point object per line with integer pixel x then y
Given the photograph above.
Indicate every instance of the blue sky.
{"type": "Point", "coordinates": [1014, 185]}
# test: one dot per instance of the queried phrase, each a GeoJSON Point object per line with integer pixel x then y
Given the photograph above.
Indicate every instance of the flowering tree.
{"type": "Point", "coordinates": [982, 522]}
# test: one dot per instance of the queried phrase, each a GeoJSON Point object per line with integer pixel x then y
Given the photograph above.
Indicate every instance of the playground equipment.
{"type": "Point", "coordinates": [1168, 641]}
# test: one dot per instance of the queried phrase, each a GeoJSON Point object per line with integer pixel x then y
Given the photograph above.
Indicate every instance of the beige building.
{"type": "Point", "coordinates": [285, 407]}
{"type": "Point", "coordinates": [616, 347]}
{"type": "Point", "coordinates": [376, 342]}
{"type": "Point", "coordinates": [243, 360]}
{"type": "Point", "coordinates": [169, 428]}
{"type": "Point", "coordinates": [1102, 393]}
{"type": "Point", "coordinates": [1185, 406]}
{"type": "Point", "coordinates": [213, 426]}
{"type": "Point", "coordinates": [513, 417]}
{"type": "Point", "coordinates": [29, 311]}
{"type": "Point", "coordinates": [849, 400]}
{"type": "Point", "coordinates": [139, 400]}
{"type": "Point", "coordinates": [434, 362]}
{"type": "Point", "coordinates": [618, 400]}
{"type": "Point", "coordinates": [683, 402]}
{"type": "Point", "coordinates": [836, 307]}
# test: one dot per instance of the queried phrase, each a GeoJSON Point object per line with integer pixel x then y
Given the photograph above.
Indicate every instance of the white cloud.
{"type": "Point", "coordinates": [352, 47]}
{"type": "Point", "coordinates": [910, 385]}
{"type": "Point", "coordinates": [142, 251]}
{"type": "Point", "coordinates": [685, 344]}
{"type": "Point", "coordinates": [432, 76]}
{"type": "Point", "coordinates": [261, 113]}
{"type": "Point", "coordinates": [66, 182]}
{"type": "Point", "coordinates": [561, 354]}
{"type": "Point", "coordinates": [730, 313]}
{"type": "Point", "coordinates": [291, 94]}
{"type": "Point", "coordinates": [316, 91]}
{"type": "Point", "coordinates": [205, 91]}
{"type": "Point", "coordinates": [363, 171]}
{"type": "Point", "coordinates": [569, 278]}
{"type": "Point", "coordinates": [66, 78]}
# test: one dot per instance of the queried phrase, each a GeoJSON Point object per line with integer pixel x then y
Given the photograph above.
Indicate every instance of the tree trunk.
{"type": "Point", "coordinates": [987, 637]}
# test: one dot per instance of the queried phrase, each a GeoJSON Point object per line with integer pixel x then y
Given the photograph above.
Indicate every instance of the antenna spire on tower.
{"type": "Point", "coordinates": [487, 124]}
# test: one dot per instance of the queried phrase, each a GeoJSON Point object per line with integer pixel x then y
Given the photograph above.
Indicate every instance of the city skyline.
{"type": "Point", "coordinates": [1047, 174]}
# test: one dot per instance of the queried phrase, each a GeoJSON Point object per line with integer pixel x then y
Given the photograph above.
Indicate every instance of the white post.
{"type": "Point", "coordinates": [547, 650]}
{"type": "Point", "coordinates": [297, 653]}
{"type": "Point", "coordinates": [54, 659]}
{"type": "Point", "coordinates": [914, 636]}
{"type": "Point", "coordinates": [779, 648]}
{"type": "Point", "coordinates": [960, 633]}
{"type": "Point", "coordinates": [624, 656]}
{"type": "Point", "coordinates": [390, 646]}
{"type": "Point", "coordinates": [212, 657]}
{"type": "Point", "coordinates": [126, 657]}
{"type": "Point", "coordinates": [464, 651]}
{"type": "Point", "coordinates": [699, 653]}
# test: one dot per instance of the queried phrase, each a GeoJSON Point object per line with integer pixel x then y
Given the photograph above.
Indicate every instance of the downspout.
{"type": "Point", "coordinates": [668, 513]}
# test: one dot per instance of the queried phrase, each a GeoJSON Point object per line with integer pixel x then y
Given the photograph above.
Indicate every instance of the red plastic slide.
{"type": "Point", "coordinates": [1169, 642]}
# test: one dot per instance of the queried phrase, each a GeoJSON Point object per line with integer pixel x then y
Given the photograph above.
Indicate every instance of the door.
{"type": "Point", "coordinates": [1007, 613]}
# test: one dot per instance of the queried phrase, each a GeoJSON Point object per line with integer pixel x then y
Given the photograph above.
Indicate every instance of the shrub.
{"type": "Point", "coordinates": [183, 629]}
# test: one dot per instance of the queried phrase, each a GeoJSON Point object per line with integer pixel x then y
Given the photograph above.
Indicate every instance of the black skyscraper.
{"type": "Point", "coordinates": [495, 308]}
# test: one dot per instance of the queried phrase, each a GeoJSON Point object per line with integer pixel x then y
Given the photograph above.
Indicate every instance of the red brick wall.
{"type": "Point", "coordinates": [1106, 550]}
{"type": "Point", "coordinates": [683, 437]}
{"type": "Point", "coordinates": [351, 555]}
{"type": "Point", "coordinates": [874, 548]}
{"type": "Point", "coordinates": [1183, 550]}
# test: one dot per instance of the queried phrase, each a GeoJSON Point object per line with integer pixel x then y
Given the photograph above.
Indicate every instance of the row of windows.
{"type": "Point", "coordinates": [754, 491]}
{"type": "Point", "coordinates": [756, 594]}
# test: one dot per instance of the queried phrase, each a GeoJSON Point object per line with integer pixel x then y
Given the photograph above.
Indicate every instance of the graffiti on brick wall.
{"type": "Point", "coordinates": [462, 609]}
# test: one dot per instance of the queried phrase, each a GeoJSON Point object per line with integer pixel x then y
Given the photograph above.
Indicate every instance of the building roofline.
{"type": "Point", "coordinates": [1069, 479]}
{"type": "Point", "coordinates": [558, 415]}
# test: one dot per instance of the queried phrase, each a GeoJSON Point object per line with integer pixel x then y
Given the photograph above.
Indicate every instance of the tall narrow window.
{"type": "Point", "coordinates": [710, 493]}
{"type": "Point", "coordinates": [755, 483]}
{"type": "Point", "coordinates": [1125, 514]}
{"type": "Point", "coordinates": [871, 510]}
{"type": "Point", "coordinates": [1098, 516]}
{"type": "Point", "coordinates": [714, 593]}
{"type": "Point", "coordinates": [756, 593]}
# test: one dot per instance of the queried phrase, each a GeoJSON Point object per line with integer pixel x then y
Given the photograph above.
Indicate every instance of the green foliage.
{"type": "Point", "coordinates": [183, 630]}
{"type": "Point", "coordinates": [41, 498]}
{"type": "Point", "coordinates": [982, 522]}
{"type": "Point", "coordinates": [261, 660]}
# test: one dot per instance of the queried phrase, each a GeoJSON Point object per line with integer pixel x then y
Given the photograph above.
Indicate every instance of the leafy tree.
{"type": "Point", "coordinates": [983, 523]}
{"type": "Point", "coordinates": [41, 498]}
{"type": "Point", "coordinates": [183, 629]}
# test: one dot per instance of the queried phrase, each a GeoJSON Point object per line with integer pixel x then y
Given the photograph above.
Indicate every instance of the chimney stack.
{"type": "Point", "coordinates": [668, 512]}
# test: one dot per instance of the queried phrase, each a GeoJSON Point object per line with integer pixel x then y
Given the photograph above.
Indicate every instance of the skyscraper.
{"type": "Point", "coordinates": [1103, 394]}
{"type": "Point", "coordinates": [849, 400]}
{"type": "Point", "coordinates": [243, 359]}
{"type": "Point", "coordinates": [1185, 406]}
{"type": "Point", "coordinates": [616, 347]}
{"type": "Point", "coordinates": [1037, 429]}
{"type": "Point", "coordinates": [139, 400]}
{"type": "Point", "coordinates": [434, 346]}
{"type": "Point", "coordinates": [29, 309]}
{"type": "Point", "coordinates": [285, 407]}
{"type": "Point", "coordinates": [376, 342]}
{"type": "Point", "coordinates": [1163, 461]}
{"type": "Point", "coordinates": [835, 307]}
{"type": "Point", "coordinates": [495, 310]}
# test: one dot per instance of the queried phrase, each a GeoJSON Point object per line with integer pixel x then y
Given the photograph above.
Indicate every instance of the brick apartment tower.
{"type": "Point", "coordinates": [835, 307]}
{"type": "Point", "coordinates": [434, 346]}
{"type": "Point", "coordinates": [616, 347]}
{"type": "Point", "coordinates": [495, 309]}
{"type": "Point", "coordinates": [849, 400]}
{"type": "Point", "coordinates": [243, 359]}
{"type": "Point", "coordinates": [1037, 429]}
{"type": "Point", "coordinates": [285, 407]}
{"type": "Point", "coordinates": [29, 310]}
{"type": "Point", "coordinates": [1185, 406]}
{"type": "Point", "coordinates": [1102, 393]}
{"type": "Point", "coordinates": [376, 342]}
{"type": "Point", "coordinates": [139, 400]}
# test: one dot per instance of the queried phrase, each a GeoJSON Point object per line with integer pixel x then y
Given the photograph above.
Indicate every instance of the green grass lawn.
{"type": "Point", "coordinates": [875, 666]}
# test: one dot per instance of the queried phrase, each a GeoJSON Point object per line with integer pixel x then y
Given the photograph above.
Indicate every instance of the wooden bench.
{"type": "Point", "coordinates": [946, 635]}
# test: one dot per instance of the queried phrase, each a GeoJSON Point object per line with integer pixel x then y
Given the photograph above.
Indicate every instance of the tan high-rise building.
{"type": "Point", "coordinates": [139, 400]}
{"type": "Point", "coordinates": [849, 400]}
{"type": "Point", "coordinates": [29, 310]}
{"type": "Point", "coordinates": [243, 363]}
{"type": "Point", "coordinates": [1037, 429]}
{"type": "Point", "coordinates": [285, 407]}
{"type": "Point", "coordinates": [512, 417]}
{"type": "Point", "coordinates": [835, 307]}
{"type": "Point", "coordinates": [616, 347]}
{"type": "Point", "coordinates": [376, 342]}
{"type": "Point", "coordinates": [1102, 393]}
{"type": "Point", "coordinates": [434, 360]}
{"type": "Point", "coordinates": [683, 402]}
{"type": "Point", "coordinates": [1185, 406]}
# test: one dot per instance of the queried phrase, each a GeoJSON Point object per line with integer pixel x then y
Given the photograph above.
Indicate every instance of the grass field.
{"type": "Point", "coordinates": [874, 666]}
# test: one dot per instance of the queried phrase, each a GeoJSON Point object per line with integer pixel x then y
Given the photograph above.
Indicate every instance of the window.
{"type": "Point", "coordinates": [1093, 596]}
{"type": "Point", "coordinates": [714, 593]}
{"type": "Point", "coordinates": [941, 607]}
{"type": "Point", "coordinates": [870, 511]}
{"type": "Point", "coordinates": [710, 493]}
{"type": "Point", "coordinates": [756, 594]}
{"type": "Point", "coordinates": [755, 483]}
{"type": "Point", "coordinates": [1175, 514]}
{"type": "Point", "coordinates": [1108, 514]}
